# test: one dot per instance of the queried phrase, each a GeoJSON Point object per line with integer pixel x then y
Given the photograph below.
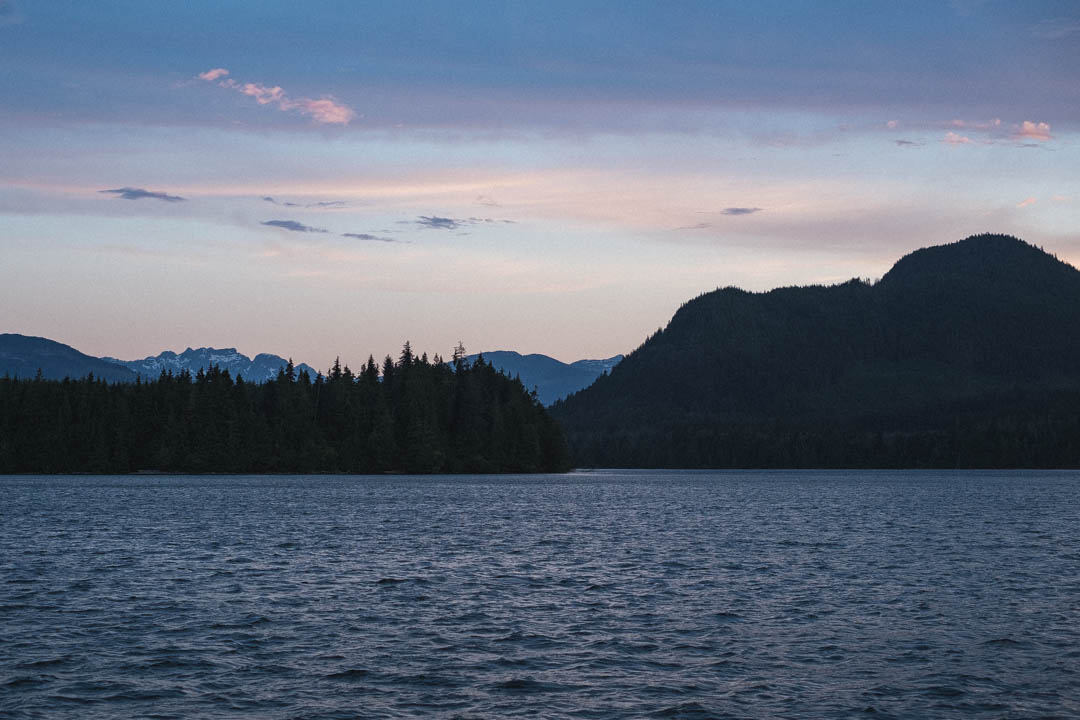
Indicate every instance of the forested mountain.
{"type": "Point", "coordinates": [262, 368]}
{"type": "Point", "coordinates": [412, 415]}
{"type": "Point", "coordinates": [22, 356]}
{"type": "Point", "coordinates": [552, 379]}
{"type": "Point", "coordinates": [962, 355]}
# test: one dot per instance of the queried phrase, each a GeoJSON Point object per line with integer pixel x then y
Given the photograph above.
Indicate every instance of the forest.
{"type": "Point", "coordinates": [412, 415]}
{"type": "Point", "coordinates": [962, 355]}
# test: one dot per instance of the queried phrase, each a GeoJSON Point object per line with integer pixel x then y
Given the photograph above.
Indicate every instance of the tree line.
{"type": "Point", "coordinates": [412, 415]}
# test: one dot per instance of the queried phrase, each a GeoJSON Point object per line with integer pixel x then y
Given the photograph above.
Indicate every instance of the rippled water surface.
{"type": "Point", "coordinates": [593, 595]}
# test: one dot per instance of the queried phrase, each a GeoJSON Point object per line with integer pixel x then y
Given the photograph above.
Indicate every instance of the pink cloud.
{"type": "Point", "coordinates": [325, 111]}
{"type": "Point", "coordinates": [1027, 201]}
{"type": "Point", "coordinates": [1033, 131]}
{"type": "Point", "coordinates": [988, 125]}
{"type": "Point", "coordinates": [952, 138]}
{"type": "Point", "coordinates": [265, 95]}
{"type": "Point", "coordinates": [212, 75]}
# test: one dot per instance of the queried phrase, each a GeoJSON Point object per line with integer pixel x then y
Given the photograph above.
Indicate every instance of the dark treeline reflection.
{"type": "Point", "coordinates": [413, 415]}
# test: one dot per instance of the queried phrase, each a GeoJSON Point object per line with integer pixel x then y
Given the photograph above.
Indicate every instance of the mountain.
{"type": "Point", "coordinates": [22, 356]}
{"type": "Point", "coordinates": [552, 378]}
{"type": "Point", "coordinates": [961, 355]}
{"type": "Point", "coordinates": [261, 368]}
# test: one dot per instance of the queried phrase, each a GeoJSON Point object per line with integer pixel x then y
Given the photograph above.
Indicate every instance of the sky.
{"type": "Point", "coordinates": [330, 179]}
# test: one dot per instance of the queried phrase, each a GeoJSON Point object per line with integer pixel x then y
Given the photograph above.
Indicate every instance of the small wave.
{"type": "Point", "coordinates": [528, 685]}
{"type": "Point", "coordinates": [45, 662]}
{"type": "Point", "coordinates": [350, 674]}
{"type": "Point", "coordinates": [1002, 642]}
{"type": "Point", "coordinates": [684, 710]}
{"type": "Point", "coordinates": [944, 691]}
{"type": "Point", "coordinates": [24, 680]}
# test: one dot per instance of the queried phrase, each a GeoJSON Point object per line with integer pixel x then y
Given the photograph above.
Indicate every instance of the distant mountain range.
{"type": "Point", "coordinates": [261, 368]}
{"type": "Point", "coordinates": [552, 379]}
{"type": "Point", "coordinates": [22, 356]}
{"type": "Point", "coordinates": [962, 355]}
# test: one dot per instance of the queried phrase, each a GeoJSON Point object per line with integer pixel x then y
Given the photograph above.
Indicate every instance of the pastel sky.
{"type": "Point", "coordinates": [326, 179]}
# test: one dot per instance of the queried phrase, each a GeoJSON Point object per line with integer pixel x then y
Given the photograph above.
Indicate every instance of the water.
{"type": "Point", "coordinates": [596, 595]}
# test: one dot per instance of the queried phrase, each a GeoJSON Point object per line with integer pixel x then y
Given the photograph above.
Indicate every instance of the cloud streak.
{"type": "Point", "coordinates": [436, 222]}
{"type": "Point", "coordinates": [130, 193]}
{"type": "Point", "coordinates": [370, 237]}
{"type": "Point", "coordinates": [740, 210]}
{"type": "Point", "coordinates": [323, 204]}
{"type": "Point", "coordinates": [293, 226]}
{"type": "Point", "coordinates": [1056, 29]}
{"type": "Point", "coordinates": [324, 111]}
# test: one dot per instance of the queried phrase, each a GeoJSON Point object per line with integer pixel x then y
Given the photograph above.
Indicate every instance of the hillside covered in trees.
{"type": "Point", "coordinates": [412, 416]}
{"type": "Point", "coordinates": [963, 355]}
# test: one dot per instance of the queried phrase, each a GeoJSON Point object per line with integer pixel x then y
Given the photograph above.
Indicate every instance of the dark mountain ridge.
{"type": "Point", "coordinates": [23, 356]}
{"type": "Point", "coordinates": [955, 344]}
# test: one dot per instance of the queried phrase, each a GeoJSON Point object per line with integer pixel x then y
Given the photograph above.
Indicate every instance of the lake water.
{"type": "Point", "coordinates": [591, 595]}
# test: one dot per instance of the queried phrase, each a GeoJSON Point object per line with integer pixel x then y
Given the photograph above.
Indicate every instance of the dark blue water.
{"type": "Point", "coordinates": [614, 594]}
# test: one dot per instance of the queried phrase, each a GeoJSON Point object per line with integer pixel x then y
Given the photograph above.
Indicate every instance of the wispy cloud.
{"type": "Point", "coordinates": [325, 110]}
{"type": "Point", "coordinates": [374, 238]}
{"type": "Point", "coordinates": [130, 193]}
{"type": "Point", "coordinates": [271, 200]}
{"type": "Point", "coordinates": [1027, 201]}
{"type": "Point", "coordinates": [740, 210]}
{"type": "Point", "coordinates": [1056, 29]}
{"type": "Point", "coordinates": [952, 138]}
{"type": "Point", "coordinates": [978, 125]}
{"type": "Point", "coordinates": [293, 226]}
{"type": "Point", "coordinates": [1033, 131]}
{"type": "Point", "coordinates": [212, 75]}
{"type": "Point", "coordinates": [908, 143]}
{"type": "Point", "coordinates": [323, 204]}
{"type": "Point", "coordinates": [436, 222]}
{"type": "Point", "coordinates": [699, 226]}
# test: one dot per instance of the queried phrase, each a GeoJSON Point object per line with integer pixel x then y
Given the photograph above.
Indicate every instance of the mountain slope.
{"type": "Point", "coordinates": [23, 355]}
{"type": "Point", "coordinates": [552, 378]}
{"type": "Point", "coordinates": [956, 346]}
{"type": "Point", "coordinates": [262, 368]}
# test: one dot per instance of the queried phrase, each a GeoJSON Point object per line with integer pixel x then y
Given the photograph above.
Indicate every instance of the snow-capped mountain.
{"type": "Point", "coordinates": [598, 366]}
{"type": "Point", "coordinates": [261, 368]}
